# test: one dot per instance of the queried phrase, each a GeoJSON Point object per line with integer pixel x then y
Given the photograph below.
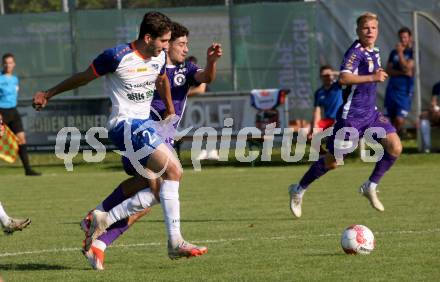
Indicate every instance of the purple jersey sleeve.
{"type": "Point", "coordinates": [351, 61]}
{"type": "Point", "coordinates": [106, 62]}
{"type": "Point", "coordinates": [192, 70]}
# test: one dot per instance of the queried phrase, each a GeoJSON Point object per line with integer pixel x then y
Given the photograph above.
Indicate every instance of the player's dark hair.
{"type": "Point", "coordinates": [7, 55]}
{"type": "Point", "coordinates": [155, 24]}
{"type": "Point", "coordinates": [178, 30]}
{"type": "Point", "coordinates": [404, 30]}
{"type": "Point", "coordinates": [325, 67]}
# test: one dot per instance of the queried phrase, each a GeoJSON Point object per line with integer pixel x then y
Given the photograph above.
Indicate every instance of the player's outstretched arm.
{"type": "Point", "coordinates": [79, 79]}
{"type": "Point", "coordinates": [316, 117]}
{"type": "Point", "coordinates": [213, 53]}
{"type": "Point", "coordinates": [195, 90]}
{"type": "Point", "coordinates": [163, 88]}
{"type": "Point", "coordinates": [314, 122]}
{"type": "Point", "coordinates": [347, 78]}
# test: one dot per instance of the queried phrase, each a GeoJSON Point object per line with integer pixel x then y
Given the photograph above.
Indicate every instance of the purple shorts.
{"type": "Point", "coordinates": [377, 121]}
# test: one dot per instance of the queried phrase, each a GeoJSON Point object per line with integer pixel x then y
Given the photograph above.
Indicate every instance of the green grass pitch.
{"type": "Point", "coordinates": [241, 213]}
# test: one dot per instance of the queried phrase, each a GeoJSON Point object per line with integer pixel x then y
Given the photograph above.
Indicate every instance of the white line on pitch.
{"type": "Point", "coordinates": [213, 241]}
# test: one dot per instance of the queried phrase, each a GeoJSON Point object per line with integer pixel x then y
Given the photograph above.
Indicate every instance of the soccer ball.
{"type": "Point", "coordinates": [357, 239]}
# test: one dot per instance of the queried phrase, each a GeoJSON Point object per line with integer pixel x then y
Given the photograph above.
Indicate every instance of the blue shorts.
{"type": "Point", "coordinates": [169, 141]}
{"type": "Point", "coordinates": [377, 120]}
{"type": "Point", "coordinates": [397, 103]}
{"type": "Point", "coordinates": [141, 134]}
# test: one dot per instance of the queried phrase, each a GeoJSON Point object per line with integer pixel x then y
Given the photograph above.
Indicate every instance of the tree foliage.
{"type": "Point", "coordinates": [31, 6]}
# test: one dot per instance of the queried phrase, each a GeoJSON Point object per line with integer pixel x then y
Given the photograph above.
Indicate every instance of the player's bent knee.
{"type": "Point", "coordinates": [173, 172]}
{"type": "Point", "coordinates": [331, 166]}
{"type": "Point", "coordinates": [396, 149]}
{"type": "Point", "coordinates": [330, 162]}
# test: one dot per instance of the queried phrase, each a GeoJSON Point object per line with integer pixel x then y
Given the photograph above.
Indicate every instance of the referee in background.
{"type": "Point", "coordinates": [8, 109]}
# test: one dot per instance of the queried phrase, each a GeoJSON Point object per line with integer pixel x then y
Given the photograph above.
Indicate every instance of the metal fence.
{"type": "Point", "coordinates": [266, 45]}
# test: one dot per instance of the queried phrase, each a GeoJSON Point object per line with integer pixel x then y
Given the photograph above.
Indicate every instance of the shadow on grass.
{"type": "Point", "coordinates": [31, 266]}
{"type": "Point", "coordinates": [334, 254]}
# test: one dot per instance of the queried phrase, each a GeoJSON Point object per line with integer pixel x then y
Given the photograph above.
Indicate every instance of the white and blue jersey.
{"type": "Point", "coordinates": [130, 82]}
{"type": "Point", "coordinates": [8, 91]}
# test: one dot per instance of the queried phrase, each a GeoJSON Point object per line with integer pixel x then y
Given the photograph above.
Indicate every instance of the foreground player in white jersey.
{"type": "Point", "coordinates": [182, 75]}
{"type": "Point", "coordinates": [133, 71]}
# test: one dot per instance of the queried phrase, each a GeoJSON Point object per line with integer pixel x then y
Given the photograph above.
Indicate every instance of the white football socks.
{"type": "Point", "coordinates": [137, 203]}
{"type": "Point", "coordinates": [169, 199]}
{"type": "Point", "coordinates": [371, 185]}
{"type": "Point", "coordinates": [4, 218]}
{"type": "Point", "coordinates": [99, 244]}
{"type": "Point", "coordinates": [100, 207]}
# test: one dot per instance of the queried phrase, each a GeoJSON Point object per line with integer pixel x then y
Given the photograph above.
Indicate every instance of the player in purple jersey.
{"type": "Point", "coordinates": [360, 73]}
{"type": "Point", "coordinates": [182, 75]}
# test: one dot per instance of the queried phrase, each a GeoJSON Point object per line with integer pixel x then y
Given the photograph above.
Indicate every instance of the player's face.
{"type": "Point", "coordinates": [367, 32]}
{"type": "Point", "coordinates": [156, 45]}
{"type": "Point", "coordinates": [178, 50]}
{"type": "Point", "coordinates": [327, 77]}
{"type": "Point", "coordinates": [8, 65]}
{"type": "Point", "coordinates": [405, 39]}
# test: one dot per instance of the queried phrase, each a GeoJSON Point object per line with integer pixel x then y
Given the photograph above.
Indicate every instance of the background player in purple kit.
{"type": "Point", "coordinates": [360, 73]}
{"type": "Point", "coordinates": [182, 75]}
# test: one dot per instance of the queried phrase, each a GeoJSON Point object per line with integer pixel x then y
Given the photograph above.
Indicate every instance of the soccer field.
{"type": "Point", "coordinates": [242, 215]}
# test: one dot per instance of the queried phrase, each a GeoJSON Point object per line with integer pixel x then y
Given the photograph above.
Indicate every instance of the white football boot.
{"type": "Point", "coordinates": [296, 195]}
{"type": "Point", "coordinates": [98, 226]}
{"type": "Point", "coordinates": [370, 192]}
{"type": "Point", "coordinates": [15, 224]}
{"type": "Point", "coordinates": [186, 249]}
